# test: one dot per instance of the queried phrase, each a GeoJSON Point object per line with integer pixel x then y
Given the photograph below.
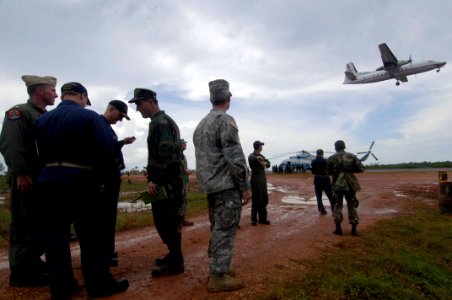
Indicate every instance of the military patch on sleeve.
{"type": "Point", "coordinates": [14, 114]}
{"type": "Point", "coordinates": [233, 124]}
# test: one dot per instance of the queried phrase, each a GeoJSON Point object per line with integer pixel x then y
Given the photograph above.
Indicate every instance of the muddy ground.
{"type": "Point", "coordinates": [263, 254]}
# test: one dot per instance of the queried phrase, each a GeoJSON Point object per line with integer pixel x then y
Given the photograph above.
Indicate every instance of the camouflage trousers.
{"type": "Point", "coordinates": [224, 215]}
{"type": "Point", "coordinates": [352, 206]}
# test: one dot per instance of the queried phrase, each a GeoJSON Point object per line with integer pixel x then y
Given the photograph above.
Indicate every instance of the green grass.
{"type": "Point", "coordinates": [409, 257]}
{"type": "Point", "coordinates": [197, 204]}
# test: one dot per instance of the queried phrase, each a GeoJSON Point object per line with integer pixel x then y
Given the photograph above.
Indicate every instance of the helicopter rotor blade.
{"type": "Point", "coordinates": [374, 156]}
{"type": "Point", "coordinates": [371, 145]}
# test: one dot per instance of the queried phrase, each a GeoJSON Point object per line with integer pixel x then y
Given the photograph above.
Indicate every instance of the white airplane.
{"type": "Point", "coordinates": [392, 68]}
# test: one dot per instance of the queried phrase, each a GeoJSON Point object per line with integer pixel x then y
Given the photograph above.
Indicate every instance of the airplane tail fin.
{"type": "Point", "coordinates": [350, 73]}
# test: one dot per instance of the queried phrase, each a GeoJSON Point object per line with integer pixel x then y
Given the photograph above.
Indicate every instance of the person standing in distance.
{"type": "Point", "coordinates": [164, 169]}
{"type": "Point", "coordinates": [258, 163]}
{"type": "Point", "coordinates": [18, 148]}
{"type": "Point", "coordinates": [222, 174]}
{"type": "Point", "coordinates": [183, 208]}
{"type": "Point", "coordinates": [115, 111]}
{"type": "Point", "coordinates": [343, 166]}
{"type": "Point", "coordinates": [76, 149]}
{"type": "Point", "coordinates": [322, 182]}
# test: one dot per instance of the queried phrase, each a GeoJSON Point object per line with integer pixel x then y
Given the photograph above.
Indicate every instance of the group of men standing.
{"type": "Point", "coordinates": [64, 169]}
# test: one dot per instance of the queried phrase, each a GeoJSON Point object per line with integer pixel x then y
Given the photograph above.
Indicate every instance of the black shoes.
{"type": "Point", "coordinates": [113, 287]}
{"type": "Point", "coordinates": [254, 223]}
{"type": "Point", "coordinates": [265, 222]}
{"type": "Point", "coordinates": [167, 270]}
{"type": "Point", "coordinates": [354, 232]}
{"type": "Point", "coordinates": [338, 230]}
{"type": "Point", "coordinates": [323, 212]}
{"type": "Point", "coordinates": [161, 261]}
{"type": "Point", "coordinates": [30, 280]}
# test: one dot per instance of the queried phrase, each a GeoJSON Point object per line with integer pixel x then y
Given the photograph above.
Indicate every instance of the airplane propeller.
{"type": "Point", "coordinates": [367, 153]}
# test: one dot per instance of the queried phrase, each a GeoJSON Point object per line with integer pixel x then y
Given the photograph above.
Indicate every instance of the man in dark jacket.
{"type": "Point", "coordinates": [322, 181]}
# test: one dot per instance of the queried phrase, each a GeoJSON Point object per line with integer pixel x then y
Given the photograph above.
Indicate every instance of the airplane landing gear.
{"type": "Point", "coordinates": [438, 70]}
{"type": "Point", "coordinates": [397, 83]}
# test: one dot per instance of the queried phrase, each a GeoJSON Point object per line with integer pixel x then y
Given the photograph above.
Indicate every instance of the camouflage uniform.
{"type": "Point", "coordinates": [165, 169]}
{"type": "Point", "coordinates": [222, 174]}
{"type": "Point", "coordinates": [342, 166]}
{"type": "Point", "coordinates": [18, 148]}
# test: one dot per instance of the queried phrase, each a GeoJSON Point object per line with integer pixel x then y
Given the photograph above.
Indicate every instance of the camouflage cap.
{"type": "Point", "coordinates": [219, 86]}
{"type": "Point", "coordinates": [142, 94]}
{"type": "Point", "coordinates": [33, 80]}
{"type": "Point", "coordinates": [74, 87]}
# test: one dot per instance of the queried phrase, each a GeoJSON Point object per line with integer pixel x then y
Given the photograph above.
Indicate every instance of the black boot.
{"type": "Point", "coordinates": [354, 232]}
{"type": "Point", "coordinates": [338, 230]}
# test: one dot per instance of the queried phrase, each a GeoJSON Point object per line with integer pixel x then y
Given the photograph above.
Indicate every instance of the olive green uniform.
{"type": "Point", "coordinates": [342, 166]}
{"type": "Point", "coordinates": [18, 148]}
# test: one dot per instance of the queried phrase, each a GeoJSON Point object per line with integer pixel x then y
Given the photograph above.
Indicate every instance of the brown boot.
{"type": "Point", "coordinates": [224, 282]}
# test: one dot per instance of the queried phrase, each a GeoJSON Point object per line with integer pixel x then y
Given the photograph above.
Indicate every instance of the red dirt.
{"type": "Point", "coordinates": [262, 255]}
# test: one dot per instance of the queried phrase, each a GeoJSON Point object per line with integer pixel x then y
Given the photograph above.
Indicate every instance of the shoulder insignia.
{"type": "Point", "coordinates": [233, 124]}
{"type": "Point", "coordinates": [14, 114]}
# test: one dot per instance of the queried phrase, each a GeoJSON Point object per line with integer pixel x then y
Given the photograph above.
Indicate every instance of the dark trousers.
{"type": "Point", "coordinates": [110, 213]}
{"type": "Point", "coordinates": [259, 201]}
{"type": "Point", "coordinates": [25, 246]}
{"type": "Point", "coordinates": [168, 223]}
{"type": "Point", "coordinates": [72, 196]}
{"type": "Point", "coordinates": [322, 183]}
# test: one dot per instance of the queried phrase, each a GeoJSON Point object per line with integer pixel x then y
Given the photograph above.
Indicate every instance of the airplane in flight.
{"type": "Point", "coordinates": [391, 69]}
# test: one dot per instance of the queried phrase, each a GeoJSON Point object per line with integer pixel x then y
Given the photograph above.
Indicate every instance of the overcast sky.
{"type": "Point", "coordinates": [284, 60]}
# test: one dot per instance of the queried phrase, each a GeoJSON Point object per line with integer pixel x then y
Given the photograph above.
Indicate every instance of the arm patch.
{"type": "Point", "coordinates": [14, 114]}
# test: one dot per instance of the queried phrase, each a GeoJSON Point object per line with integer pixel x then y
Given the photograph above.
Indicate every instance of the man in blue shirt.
{"type": "Point", "coordinates": [76, 151]}
{"type": "Point", "coordinates": [322, 181]}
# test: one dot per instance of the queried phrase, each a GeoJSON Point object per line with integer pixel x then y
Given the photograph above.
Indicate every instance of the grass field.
{"type": "Point", "coordinates": [408, 257]}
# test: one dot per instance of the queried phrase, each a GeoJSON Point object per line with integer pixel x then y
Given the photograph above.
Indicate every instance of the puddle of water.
{"type": "Point", "coordinates": [385, 211]}
{"type": "Point", "coordinates": [399, 194]}
{"type": "Point", "coordinates": [294, 199]}
{"type": "Point", "coordinates": [133, 207]}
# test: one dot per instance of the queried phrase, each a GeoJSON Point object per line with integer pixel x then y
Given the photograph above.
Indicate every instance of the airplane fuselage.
{"type": "Point", "coordinates": [397, 73]}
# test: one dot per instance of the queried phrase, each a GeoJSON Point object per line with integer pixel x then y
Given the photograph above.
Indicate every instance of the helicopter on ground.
{"type": "Point", "coordinates": [300, 161]}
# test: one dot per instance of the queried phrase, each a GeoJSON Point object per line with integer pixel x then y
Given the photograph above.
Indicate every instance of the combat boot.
{"type": "Point", "coordinates": [224, 282]}
{"type": "Point", "coordinates": [338, 230]}
{"type": "Point", "coordinates": [354, 232]}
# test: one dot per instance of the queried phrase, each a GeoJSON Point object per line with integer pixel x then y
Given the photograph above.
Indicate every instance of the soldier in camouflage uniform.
{"type": "Point", "coordinates": [222, 173]}
{"type": "Point", "coordinates": [164, 170]}
{"type": "Point", "coordinates": [342, 166]}
{"type": "Point", "coordinates": [18, 148]}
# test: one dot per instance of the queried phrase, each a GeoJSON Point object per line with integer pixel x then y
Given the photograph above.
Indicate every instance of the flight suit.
{"type": "Point", "coordinates": [258, 163]}
{"type": "Point", "coordinates": [18, 148]}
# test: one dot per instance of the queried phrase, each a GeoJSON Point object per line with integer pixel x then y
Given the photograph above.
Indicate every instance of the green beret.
{"type": "Point", "coordinates": [34, 80]}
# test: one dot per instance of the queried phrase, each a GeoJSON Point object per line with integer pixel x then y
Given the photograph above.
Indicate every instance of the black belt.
{"type": "Point", "coordinates": [68, 164]}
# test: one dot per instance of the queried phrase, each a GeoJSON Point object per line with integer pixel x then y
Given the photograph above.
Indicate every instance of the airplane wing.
{"type": "Point", "coordinates": [389, 59]}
